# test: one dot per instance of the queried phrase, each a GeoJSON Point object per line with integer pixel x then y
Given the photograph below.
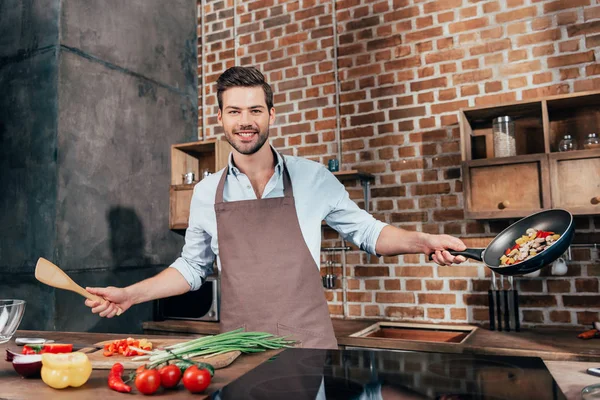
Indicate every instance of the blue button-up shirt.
{"type": "Point", "coordinates": [318, 195]}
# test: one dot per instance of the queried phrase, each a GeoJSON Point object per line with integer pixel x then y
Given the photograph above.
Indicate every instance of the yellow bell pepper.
{"type": "Point", "coordinates": [68, 369]}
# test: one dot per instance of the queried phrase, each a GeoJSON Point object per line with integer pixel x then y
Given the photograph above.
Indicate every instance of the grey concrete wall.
{"type": "Point", "coordinates": [28, 148]}
{"type": "Point", "coordinates": [123, 88]}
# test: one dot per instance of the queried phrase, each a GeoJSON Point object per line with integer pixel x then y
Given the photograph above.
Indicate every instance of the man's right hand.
{"type": "Point", "coordinates": [115, 298]}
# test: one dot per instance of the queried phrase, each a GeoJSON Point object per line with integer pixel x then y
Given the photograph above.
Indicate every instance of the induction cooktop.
{"type": "Point", "coordinates": [371, 374]}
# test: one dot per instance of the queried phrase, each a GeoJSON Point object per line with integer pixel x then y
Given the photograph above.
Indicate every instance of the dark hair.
{"type": "Point", "coordinates": [243, 77]}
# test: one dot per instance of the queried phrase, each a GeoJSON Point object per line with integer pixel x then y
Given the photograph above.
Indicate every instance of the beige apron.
{"type": "Point", "coordinates": [269, 280]}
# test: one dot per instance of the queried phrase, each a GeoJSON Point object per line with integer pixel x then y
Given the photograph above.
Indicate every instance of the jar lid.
{"type": "Point", "coordinates": [592, 135]}
{"type": "Point", "coordinates": [567, 137]}
{"type": "Point", "coordinates": [502, 119]}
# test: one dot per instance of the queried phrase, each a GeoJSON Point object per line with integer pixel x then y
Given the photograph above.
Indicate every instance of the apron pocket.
{"type": "Point", "coordinates": [301, 335]}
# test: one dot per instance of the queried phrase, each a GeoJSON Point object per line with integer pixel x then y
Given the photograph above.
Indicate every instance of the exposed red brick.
{"type": "Point", "coordinates": [586, 285]}
{"type": "Point", "coordinates": [436, 313]}
{"type": "Point", "coordinates": [394, 297]}
{"type": "Point", "coordinates": [472, 76]}
{"type": "Point", "coordinates": [546, 91]}
{"type": "Point", "coordinates": [553, 6]}
{"type": "Point", "coordinates": [437, 6]}
{"type": "Point", "coordinates": [535, 316]}
{"type": "Point", "coordinates": [359, 296]}
{"type": "Point", "coordinates": [436, 298]}
{"type": "Point", "coordinates": [571, 59]}
{"type": "Point", "coordinates": [514, 15]}
{"type": "Point", "coordinates": [468, 25]}
{"type": "Point", "coordinates": [436, 284]}
{"type": "Point", "coordinates": [404, 312]}
{"type": "Point", "coordinates": [495, 99]}
{"type": "Point", "coordinates": [517, 55]}
{"type": "Point", "coordinates": [587, 317]}
{"type": "Point", "coordinates": [430, 188]}
{"type": "Point", "coordinates": [458, 284]}
{"type": "Point", "coordinates": [424, 34]}
{"type": "Point", "coordinates": [449, 106]}
{"type": "Point", "coordinates": [530, 301]}
{"type": "Point", "coordinates": [534, 38]}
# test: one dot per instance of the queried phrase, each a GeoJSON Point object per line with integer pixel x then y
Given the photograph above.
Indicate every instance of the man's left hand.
{"type": "Point", "coordinates": [439, 246]}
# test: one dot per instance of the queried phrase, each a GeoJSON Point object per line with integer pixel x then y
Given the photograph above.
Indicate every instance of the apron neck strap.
{"type": "Point", "coordinates": [288, 191]}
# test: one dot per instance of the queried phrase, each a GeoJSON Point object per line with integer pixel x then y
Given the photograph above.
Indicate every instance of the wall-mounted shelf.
{"type": "Point", "coordinates": [538, 177]}
{"type": "Point", "coordinates": [196, 157]}
{"type": "Point", "coordinates": [365, 181]}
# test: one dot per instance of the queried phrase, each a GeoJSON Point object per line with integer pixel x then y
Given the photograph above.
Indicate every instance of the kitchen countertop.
{"type": "Point", "coordinates": [12, 386]}
{"type": "Point", "coordinates": [570, 376]}
{"type": "Point", "coordinates": [549, 344]}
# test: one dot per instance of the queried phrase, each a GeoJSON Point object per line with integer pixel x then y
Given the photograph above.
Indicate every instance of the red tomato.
{"type": "Point", "coordinates": [147, 381]}
{"type": "Point", "coordinates": [196, 380]}
{"type": "Point", "coordinates": [169, 376]}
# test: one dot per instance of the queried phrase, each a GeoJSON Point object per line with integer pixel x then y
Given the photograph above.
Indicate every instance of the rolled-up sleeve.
{"type": "Point", "coordinates": [197, 257]}
{"type": "Point", "coordinates": [354, 224]}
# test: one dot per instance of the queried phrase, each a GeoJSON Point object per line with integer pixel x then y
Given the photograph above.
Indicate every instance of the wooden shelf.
{"type": "Point", "coordinates": [352, 174]}
{"type": "Point", "coordinates": [568, 180]}
{"type": "Point", "coordinates": [196, 157]}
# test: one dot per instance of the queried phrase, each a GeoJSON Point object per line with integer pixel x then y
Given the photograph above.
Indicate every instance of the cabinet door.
{"type": "Point", "coordinates": [180, 199]}
{"type": "Point", "coordinates": [575, 181]}
{"type": "Point", "coordinates": [506, 188]}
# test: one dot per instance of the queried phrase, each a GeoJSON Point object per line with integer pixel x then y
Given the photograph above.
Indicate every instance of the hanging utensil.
{"type": "Point", "coordinates": [50, 274]}
{"type": "Point", "coordinates": [506, 308]}
{"type": "Point", "coordinates": [515, 295]}
{"type": "Point", "coordinates": [498, 306]}
{"type": "Point", "coordinates": [491, 304]}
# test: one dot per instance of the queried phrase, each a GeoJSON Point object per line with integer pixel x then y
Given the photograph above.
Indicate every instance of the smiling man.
{"type": "Point", "coordinates": [260, 217]}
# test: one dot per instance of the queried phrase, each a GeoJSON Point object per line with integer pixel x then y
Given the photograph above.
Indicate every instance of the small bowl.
{"type": "Point", "coordinates": [11, 314]}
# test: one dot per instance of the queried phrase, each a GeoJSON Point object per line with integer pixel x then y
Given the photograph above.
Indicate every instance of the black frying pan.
{"type": "Point", "coordinates": [557, 220]}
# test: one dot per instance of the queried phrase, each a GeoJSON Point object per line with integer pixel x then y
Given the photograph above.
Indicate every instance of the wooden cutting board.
{"type": "Point", "coordinates": [99, 361]}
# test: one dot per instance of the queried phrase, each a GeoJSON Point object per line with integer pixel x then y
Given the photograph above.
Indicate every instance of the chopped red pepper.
{"type": "Point", "coordinates": [47, 348]}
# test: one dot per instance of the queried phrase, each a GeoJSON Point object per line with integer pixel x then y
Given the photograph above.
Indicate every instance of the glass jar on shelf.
{"type": "Point", "coordinates": [591, 142]}
{"type": "Point", "coordinates": [567, 144]}
{"type": "Point", "coordinates": [503, 129]}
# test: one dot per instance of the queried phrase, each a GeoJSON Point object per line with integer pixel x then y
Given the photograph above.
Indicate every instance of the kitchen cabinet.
{"type": "Point", "coordinates": [196, 157]}
{"type": "Point", "coordinates": [538, 177]}
{"type": "Point", "coordinates": [576, 181]}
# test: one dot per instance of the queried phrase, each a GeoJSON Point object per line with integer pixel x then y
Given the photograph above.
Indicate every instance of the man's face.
{"type": "Point", "coordinates": [245, 118]}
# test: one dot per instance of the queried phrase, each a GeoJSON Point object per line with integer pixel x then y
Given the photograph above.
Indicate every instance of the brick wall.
{"type": "Point", "coordinates": [403, 68]}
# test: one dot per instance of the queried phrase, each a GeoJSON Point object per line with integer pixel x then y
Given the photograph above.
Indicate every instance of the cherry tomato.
{"type": "Point", "coordinates": [196, 380]}
{"type": "Point", "coordinates": [169, 376]}
{"type": "Point", "coordinates": [147, 381]}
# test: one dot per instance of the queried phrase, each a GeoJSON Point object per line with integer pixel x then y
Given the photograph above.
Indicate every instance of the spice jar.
{"type": "Point", "coordinates": [567, 144]}
{"type": "Point", "coordinates": [591, 142]}
{"type": "Point", "coordinates": [503, 129]}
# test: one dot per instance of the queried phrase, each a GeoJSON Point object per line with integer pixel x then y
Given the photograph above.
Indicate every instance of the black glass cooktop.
{"type": "Point", "coordinates": [367, 374]}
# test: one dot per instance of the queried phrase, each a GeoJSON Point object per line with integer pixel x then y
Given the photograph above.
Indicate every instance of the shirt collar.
{"type": "Point", "coordinates": [278, 167]}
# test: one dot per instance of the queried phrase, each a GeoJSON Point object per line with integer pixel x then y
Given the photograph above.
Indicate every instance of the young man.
{"type": "Point", "coordinates": [261, 218]}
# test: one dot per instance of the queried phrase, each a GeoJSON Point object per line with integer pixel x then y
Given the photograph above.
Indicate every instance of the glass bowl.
{"type": "Point", "coordinates": [591, 392]}
{"type": "Point", "coordinates": [11, 313]}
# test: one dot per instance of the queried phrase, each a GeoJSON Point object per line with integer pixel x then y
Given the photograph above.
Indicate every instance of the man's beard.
{"type": "Point", "coordinates": [262, 138]}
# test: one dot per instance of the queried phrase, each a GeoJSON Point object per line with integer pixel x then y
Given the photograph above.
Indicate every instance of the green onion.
{"type": "Point", "coordinates": [210, 346]}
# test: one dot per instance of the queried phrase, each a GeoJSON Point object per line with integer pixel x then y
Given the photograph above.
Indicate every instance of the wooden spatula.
{"type": "Point", "coordinates": [50, 274]}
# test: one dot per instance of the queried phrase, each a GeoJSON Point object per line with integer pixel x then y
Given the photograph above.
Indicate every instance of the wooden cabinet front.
{"type": "Point", "coordinates": [180, 199]}
{"type": "Point", "coordinates": [506, 188]}
{"type": "Point", "coordinates": [576, 181]}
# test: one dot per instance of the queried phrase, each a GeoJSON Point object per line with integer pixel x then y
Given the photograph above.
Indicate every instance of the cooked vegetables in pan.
{"type": "Point", "coordinates": [528, 245]}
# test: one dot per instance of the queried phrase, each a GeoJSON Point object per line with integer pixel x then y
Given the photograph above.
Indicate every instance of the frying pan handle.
{"type": "Point", "coordinates": [474, 254]}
